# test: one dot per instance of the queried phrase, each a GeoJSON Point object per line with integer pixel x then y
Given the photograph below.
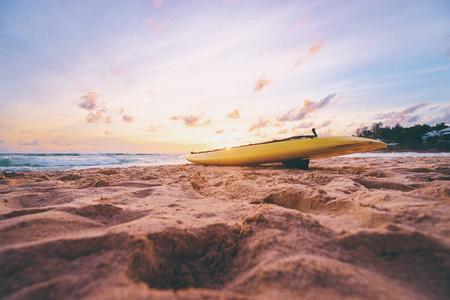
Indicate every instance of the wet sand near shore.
{"type": "Point", "coordinates": [348, 228]}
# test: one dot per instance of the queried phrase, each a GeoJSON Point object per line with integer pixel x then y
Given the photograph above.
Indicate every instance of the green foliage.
{"type": "Point", "coordinates": [408, 138]}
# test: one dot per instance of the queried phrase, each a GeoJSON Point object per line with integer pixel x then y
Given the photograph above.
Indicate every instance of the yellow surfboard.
{"type": "Point", "coordinates": [292, 152]}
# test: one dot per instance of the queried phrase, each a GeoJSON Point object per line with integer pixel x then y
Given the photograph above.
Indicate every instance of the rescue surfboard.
{"type": "Point", "coordinates": [295, 151]}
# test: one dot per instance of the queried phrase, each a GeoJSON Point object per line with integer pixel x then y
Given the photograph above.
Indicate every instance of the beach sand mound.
{"type": "Point", "coordinates": [348, 228]}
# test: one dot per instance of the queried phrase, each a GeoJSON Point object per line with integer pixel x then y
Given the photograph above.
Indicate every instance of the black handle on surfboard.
{"type": "Point", "coordinates": [274, 141]}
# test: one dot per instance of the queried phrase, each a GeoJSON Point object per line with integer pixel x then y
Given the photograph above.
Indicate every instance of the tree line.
{"type": "Point", "coordinates": [416, 137]}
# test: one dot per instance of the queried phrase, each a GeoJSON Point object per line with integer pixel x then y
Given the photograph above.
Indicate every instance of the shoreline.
{"type": "Point", "coordinates": [382, 150]}
{"type": "Point", "coordinates": [348, 227]}
{"type": "Point", "coordinates": [47, 163]}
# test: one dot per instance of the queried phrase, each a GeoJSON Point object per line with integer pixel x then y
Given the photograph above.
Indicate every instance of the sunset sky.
{"type": "Point", "coordinates": [175, 76]}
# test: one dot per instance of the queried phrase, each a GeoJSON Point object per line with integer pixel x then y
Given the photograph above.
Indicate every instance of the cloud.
{"type": "Point", "coordinates": [444, 117]}
{"type": "Point", "coordinates": [89, 102]}
{"type": "Point", "coordinates": [261, 83]}
{"type": "Point", "coordinates": [297, 64]}
{"type": "Point", "coordinates": [283, 131]}
{"type": "Point", "coordinates": [220, 131]}
{"type": "Point", "coordinates": [302, 126]}
{"type": "Point", "coordinates": [96, 110]}
{"type": "Point", "coordinates": [311, 51]}
{"type": "Point", "coordinates": [128, 118]}
{"type": "Point", "coordinates": [30, 143]}
{"type": "Point", "coordinates": [107, 132]}
{"type": "Point", "coordinates": [261, 124]}
{"type": "Point", "coordinates": [158, 3]}
{"type": "Point", "coordinates": [94, 117]}
{"type": "Point", "coordinates": [297, 114]}
{"type": "Point", "coordinates": [60, 144]}
{"type": "Point", "coordinates": [154, 25]}
{"type": "Point", "coordinates": [116, 70]}
{"type": "Point", "coordinates": [303, 20]}
{"type": "Point", "coordinates": [326, 123]}
{"type": "Point", "coordinates": [27, 132]}
{"type": "Point", "coordinates": [413, 108]}
{"type": "Point", "coordinates": [234, 114]}
{"type": "Point", "coordinates": [2, 141]}
{"type": "Point", "coordinates": [316, 48]}
{"type": "Point", "coordinates": [404, 116]}
{"type": "Point", "coordinates": [152, 128]}
{"type": "Point", "coordinates": [192, 120]}
{"type": "Point", "coordinates": [260, 135]}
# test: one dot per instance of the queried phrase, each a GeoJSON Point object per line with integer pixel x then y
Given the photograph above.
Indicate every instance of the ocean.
{"type": "Point", "coordinates": [26, 162]}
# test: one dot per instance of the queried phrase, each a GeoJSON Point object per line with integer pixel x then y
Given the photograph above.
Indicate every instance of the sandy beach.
{"type": "Point", "coordinates": [348, 228]}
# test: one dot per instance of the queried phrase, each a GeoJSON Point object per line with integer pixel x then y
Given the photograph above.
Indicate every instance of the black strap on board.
{"type": "Point", "coordinates": [273, 141]}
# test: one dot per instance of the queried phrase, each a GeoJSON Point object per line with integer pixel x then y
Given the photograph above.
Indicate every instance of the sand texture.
{"type": "Point", "coordinates": [348, 228]}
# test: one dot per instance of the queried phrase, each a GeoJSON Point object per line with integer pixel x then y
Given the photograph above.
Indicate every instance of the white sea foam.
{"type": "Point", "coordinates": [47, 162]}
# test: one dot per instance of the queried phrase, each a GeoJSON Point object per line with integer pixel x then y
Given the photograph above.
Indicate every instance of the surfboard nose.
{"type": "Point", "coordinates": [379, 144]}
{"type": "Point", "coordinates": [374, 144]}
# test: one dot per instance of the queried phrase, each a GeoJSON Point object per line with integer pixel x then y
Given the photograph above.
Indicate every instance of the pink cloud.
{"type": "Point", "coordinates": [297, 64]}
{"type": "Point", "coordinates": [405, 115]}
{"type": "Point", "coordinates": [192, 120]}
{"type": "Point", "coordinates": [128, 118]}
{"type": "Point", "coordinates": [152, 128]}
{"type": "Point", "coordinates": [303, 126]}
{"type": "Point", "coordinates": [303, 20]}
{"type": "Point", "coordinates": [261, 124]}
{"type": "Point", "coordinates": [107, 132]}
{"type": "Point", "coordinates": [259, 134]}
{"type": "Point", "coordinates": [316, 48]}
{"type": "Point", "coordinates": [261, 83]}
{"type": "Point", "coordinates": [100, 111]}
{"type": "Point", "coordinates": [326, 123]}
{"type": "Point", "coordinates": [94, 117]}
{"type": "Point", "coordinates": [220, 131]}
{"type": "Point", "coordinates": [107, 119]}
{"type": "Point", "coordinates": [154, 25]}
{"type": "Point", "coordinates": [89, 102]}
{"type": "Point", "coordinates": [96, 110]}
{"type": "Point", "coordinates": [158, 3]}
{"type": "Point", "coordinates": [297, 114]}
{"type": "Point", "coordinates": [234, 114]}
{"type": "Point", "coordinates": [413, 108]}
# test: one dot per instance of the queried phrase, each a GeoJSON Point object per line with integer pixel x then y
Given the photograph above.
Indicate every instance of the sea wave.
{"type": "Point", "coordinates": [43, 162]}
